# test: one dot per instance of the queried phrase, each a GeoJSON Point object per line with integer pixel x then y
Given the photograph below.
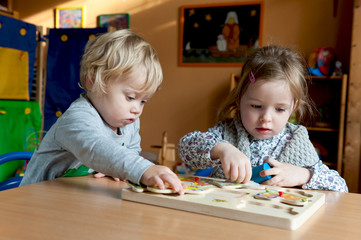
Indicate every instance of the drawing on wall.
{"type": "Point", "coordinates": [219, 34]}
{"type": "Point", "coordinates": [114, 21]}
{"type": "Point", "coordinates": [69, 17]}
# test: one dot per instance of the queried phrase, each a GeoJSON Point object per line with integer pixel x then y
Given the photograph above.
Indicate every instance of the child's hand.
{"type": "Point", "coordinates": [157, 175]}
{"type": "Point", "coordinates": [285, 174]}
{"type": "Point", "coordinates": [100, 175]}
{"type": "Point", "coordinates": [236, 165]}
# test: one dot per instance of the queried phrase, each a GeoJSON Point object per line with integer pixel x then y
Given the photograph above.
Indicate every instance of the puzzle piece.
{"type": "Point", "coordinates": [226, 184]}
{"type": "Point", "coordinates": [195, 185]}
{"type": "Point", "coordinates": [267, 195]}
{"type": "Point", "coordinates": [255, 173]}
{"type": "Point", "coordinates": [135, 187]}
{"type": "Point", "coordinates": [166, 190]}
{"type": "Point", "coordinates": [283, 197]}
{"type": "Point", "coordinates": [293, 199]}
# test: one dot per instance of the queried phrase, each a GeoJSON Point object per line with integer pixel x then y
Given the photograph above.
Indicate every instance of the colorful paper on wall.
{"type": "Point", "coordinates": [14, 69]}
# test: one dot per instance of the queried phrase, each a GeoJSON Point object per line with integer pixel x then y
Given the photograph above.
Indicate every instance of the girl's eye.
{"type": "Point", "coordinates": [256, 106]}
{"type": "Point", "coordinates": [130, 98]}
{"type": "Point", "coordinates": [280, 109]}
{"type": "Point", "coordinates": [144, 101]}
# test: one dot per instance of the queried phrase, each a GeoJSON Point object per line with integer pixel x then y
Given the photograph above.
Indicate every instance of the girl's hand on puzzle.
{"type": "Point", "coordinates": [236, 165]}
{"type": "Point", "coordinates": [285, 174]}
{"type": "Point", "coordinates": [157, 175]}
{"type": "Point", "coordinates": [100, 175]}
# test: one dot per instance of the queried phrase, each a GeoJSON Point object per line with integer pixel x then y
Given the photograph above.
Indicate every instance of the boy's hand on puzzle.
{"type": "Point", "coordinates": [285, 174]}
{"type": "Point", "coordinates": [236, 165]}
{"type": "Point", "coordinates": [157, 175]}
{"type": "Point", "coordinates": [100, 175]}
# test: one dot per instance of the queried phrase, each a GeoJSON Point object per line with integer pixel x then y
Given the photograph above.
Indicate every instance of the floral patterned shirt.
{"type": "Point", "coordinates": [194, 149]}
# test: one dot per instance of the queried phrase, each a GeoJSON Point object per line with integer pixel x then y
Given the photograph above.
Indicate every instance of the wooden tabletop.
{"type": "Point", "coordinates": [89, 208]}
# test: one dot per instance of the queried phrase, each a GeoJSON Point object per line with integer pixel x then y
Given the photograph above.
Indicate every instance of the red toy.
{"type": "Point", "coordinates": [321, 61]}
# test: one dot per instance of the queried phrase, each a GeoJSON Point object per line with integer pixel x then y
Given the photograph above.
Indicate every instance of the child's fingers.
{"type": "Point", "coordinates": [248, 174]}
{"type": "Point", "coordinates": [272, 162]}
{"type": "Point", "coordinates": [174, 182]}
{"type": "Point", "coordinates": [158, 182]}
{"type": "Point", "coordinates": [226, 171]}
{"type": "Point", "coordinates": [270, 172]}
{"type": "Point", "coordinates": [274, 181]}
{"type": "Point", "coordinates": [99, 175]}
{"type": "Point", "coordinates": [236, 174]}
{"type": "Point", "coordinates": [241, 173]}
{"type": "Point", "coordinates": [274, 170]}
{"type": "Point", "coordinates": [157, 175]}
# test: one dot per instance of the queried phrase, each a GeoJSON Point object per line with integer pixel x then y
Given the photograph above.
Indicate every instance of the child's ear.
{"type": "Point", "coordinates": [89, 83]}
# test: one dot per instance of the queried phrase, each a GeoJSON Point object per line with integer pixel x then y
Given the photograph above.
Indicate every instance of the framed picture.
{"type": "Point", "coordinates": [114, 21]}
{"type": "Point", "coordinates": [219, 34]}
{"type": "Point", "coordinates": [69, 17]}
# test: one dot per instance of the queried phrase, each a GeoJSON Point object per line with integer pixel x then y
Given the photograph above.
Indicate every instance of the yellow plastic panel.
{"type": "Point", "coordinates": [14, 74]}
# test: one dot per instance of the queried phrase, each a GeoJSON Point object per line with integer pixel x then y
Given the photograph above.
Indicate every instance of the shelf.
{"type": "Point", "coordinates": [329, 164]}
{"type": "Point", "coordinates": [327, 133]}
{"type": "Point", "coordinates": [13, 14]}
{"type": "Point", "coordinates": [7, 9]}
{"type": "Point", "coordinates": [326, 78]}
{"type": "Point", "coordinates": [322, 129]}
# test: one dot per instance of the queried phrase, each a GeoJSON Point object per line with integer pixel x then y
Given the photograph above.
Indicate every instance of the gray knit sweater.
{"type": "Point", "coordinates": [299, 151]}
{"type": "Point", "coordinates": [291, 145]}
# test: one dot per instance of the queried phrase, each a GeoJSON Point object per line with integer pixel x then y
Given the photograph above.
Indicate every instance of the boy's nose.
{"type": "Point", "coordinates": [136, 108]}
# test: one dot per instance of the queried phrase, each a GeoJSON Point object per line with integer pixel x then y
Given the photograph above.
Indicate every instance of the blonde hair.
{"type": "Point", "coordinates": [273, 63]}
{"type": "Point", "coordinates": [116, 55]}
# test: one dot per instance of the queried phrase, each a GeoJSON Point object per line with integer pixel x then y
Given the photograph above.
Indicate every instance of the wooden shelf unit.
{"type": "Point", "coordinates": [328, 130]}
{"type": "Point", "coordinates": [7, 9]}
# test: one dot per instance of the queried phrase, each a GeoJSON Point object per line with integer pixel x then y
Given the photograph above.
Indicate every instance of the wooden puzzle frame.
{"type": "Point", "coordinates": [240, 204]}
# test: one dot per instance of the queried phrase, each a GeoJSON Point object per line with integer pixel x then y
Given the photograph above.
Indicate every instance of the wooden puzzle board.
{"type": "Point", "coordinates": [237, 204]}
